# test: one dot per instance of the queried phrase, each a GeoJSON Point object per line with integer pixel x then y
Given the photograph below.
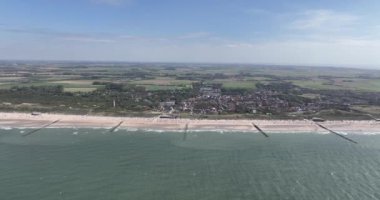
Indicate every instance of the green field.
{"type": "Point", "coordinates": [80, 77]}
{"type": "Point", "coordinates": [236, 84]}
{"type": "Point", "coordinates": [353, 84]}
{"type": "Point", "coordinates": [140, 88]}
{"type": "Point", "coordinates": [69, 85]}
{"type": "Point", "coordinates": [163, 83]}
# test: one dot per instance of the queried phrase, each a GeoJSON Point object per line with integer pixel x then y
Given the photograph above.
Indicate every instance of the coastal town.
{"type": "Point", "coordinates": [189, 91]}
{"type": "Point", "coordinates": [210, 99]}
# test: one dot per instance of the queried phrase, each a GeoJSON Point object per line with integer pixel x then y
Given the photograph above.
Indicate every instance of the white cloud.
{"type": "Point", "coordinates": [315, 45]}
{"type": "Point", "coordinates": [324, 21]}
{"type": "Point", "coordinates": [194, 37]}
{"type": "Point", "coordinates": [88, 39]}
{"type": "Point", "coordinates": [141, 38]}
{"type": "Point", "coordinates": [330, 51]}
{"type": "Point", "coordinates": [238, 45]}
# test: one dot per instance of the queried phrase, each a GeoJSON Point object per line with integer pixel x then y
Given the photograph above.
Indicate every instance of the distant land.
{"type": "Point", "coordinates": [190, 90]}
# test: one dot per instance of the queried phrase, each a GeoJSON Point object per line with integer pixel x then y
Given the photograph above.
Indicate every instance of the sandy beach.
{"type": "Point", "coordinates": [26, 120]}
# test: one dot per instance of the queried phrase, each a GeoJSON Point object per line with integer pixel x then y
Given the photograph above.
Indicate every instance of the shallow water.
{"type": "Point", "coordinates": [96, 164]}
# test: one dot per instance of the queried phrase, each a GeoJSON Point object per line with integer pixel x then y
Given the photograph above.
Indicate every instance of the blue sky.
{"type": "Point", "coordinates": [302, 32]}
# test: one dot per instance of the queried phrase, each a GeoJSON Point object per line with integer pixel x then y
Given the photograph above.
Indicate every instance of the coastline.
{"type": "Point", "coordinates": [26, 120]}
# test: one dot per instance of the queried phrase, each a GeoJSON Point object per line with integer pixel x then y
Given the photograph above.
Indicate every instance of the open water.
{"type": "Point", "coordinates": [98, 165]}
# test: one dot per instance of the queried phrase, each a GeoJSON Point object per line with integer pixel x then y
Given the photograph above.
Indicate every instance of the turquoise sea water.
{"type": "Point", "coordinates": [94, 164]}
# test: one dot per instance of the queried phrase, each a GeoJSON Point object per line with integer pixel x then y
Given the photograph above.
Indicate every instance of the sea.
{"type": "Point", "coordinates": [96, 164]}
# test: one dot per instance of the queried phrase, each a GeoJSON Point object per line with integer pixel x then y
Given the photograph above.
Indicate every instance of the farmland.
{"type": "Point", "coordinates": [139, 88]}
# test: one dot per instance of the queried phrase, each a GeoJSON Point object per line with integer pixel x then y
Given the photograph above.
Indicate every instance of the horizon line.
{"type": "Point", "coordinates": [347, 66]}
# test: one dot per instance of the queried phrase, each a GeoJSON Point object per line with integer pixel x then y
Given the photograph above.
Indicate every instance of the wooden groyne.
{"type": "Point", "coordinates": [374, 118]}
{"type": "Point", "coordinates": [38, 129]}
{"type": "Point", "coordinates": [186, 128]}
{"type": "Point", "coordinates": [185, 131]}
{"type": "Point", "coordinates": [338, 134]}
{"type": "Point", "coordinates": [115, 127]}
{"type": "Point", "coordinates": [260, 130]}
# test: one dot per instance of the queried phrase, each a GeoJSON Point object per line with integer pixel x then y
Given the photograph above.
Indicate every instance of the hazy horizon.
{"type": "Point", "coordinates": [368, 67]}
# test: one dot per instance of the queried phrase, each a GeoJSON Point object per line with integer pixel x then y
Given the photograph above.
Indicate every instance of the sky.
{"type": "Point", "coordinates": [299, 32]}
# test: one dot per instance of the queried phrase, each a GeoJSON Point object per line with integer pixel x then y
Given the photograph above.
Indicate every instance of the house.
{"type": "Point", "coordinates": [167, 104]}
{"type": "Point", "coordinates": [209, 92]}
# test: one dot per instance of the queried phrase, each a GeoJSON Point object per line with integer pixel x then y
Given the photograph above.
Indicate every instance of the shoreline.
{"type": "Point", "coordinates": [26, 120]}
